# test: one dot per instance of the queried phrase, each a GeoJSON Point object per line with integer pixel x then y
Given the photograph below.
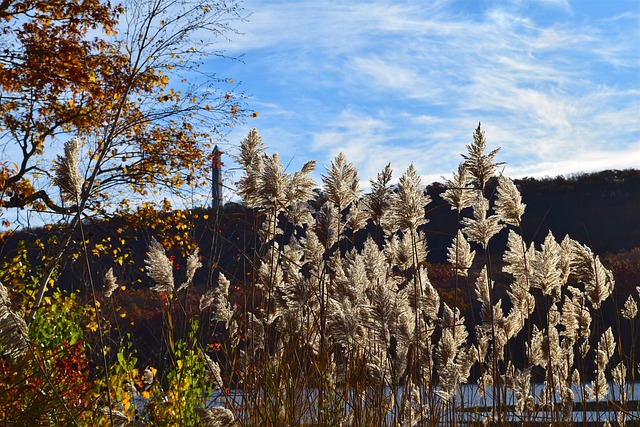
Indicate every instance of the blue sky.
{"type": "Point", "coordinates": [555, 83]}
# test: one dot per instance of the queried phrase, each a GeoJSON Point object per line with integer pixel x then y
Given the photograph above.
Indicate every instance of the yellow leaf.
{"type": "Point", "coordinates": [92, 326]}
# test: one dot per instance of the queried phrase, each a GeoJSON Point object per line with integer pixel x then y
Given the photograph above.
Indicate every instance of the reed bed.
{"type": "Point", "coordinates": [341, 325]}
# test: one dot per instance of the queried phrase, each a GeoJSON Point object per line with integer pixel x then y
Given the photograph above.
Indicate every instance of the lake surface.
{"type": "Point", "coordinates": [477, 406]}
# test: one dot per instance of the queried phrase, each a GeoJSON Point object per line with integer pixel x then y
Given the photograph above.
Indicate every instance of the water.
{"type": "Point", "coordinates": [478, 406]}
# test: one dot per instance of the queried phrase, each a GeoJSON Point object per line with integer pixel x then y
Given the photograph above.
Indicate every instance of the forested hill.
{"type": "Point", "coordinates": [600, 209]}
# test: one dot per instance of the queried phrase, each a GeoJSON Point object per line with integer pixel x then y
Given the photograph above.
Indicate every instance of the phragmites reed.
{"type": "Point", "coordinates": [481, 166]}
{"type": "Point", "coordinates": [517, 257]}
{"type": "Point", "coordinates": [264, 182]}
{"type": "Point", "coordinates": [14, 338]}
{"type": "Point", "coordinates": [482, 227]}
{"type": "Point", "coordinates": [116, 417]}
{"type": "Point", "coordinates": [546, 265]}
{"type": "Point", "coordinates": [148, 377]}
{"type": "Point", "coordinates": [273, 184]}
{"type": "Point", "coordinates": [341, 182]}
{"type": "Point", "coordinates": [449, 353]}
{"type": "Point", "coordinates": [599, 387]}
{"type": "Point", "coordinates": [159, 267]}
{"type": "Point", "coordinates": [66, 172]}
{"type": "Point", "coordinates": [357, 217]}
{"type": "Point", "coordinates": [379, 323]}
{"type": "Point", "coordinates": [251, 159]}
{"type": "Point", "coordinates": [218, 299]}
{"type": "Point", "coordinates": [460, 255]}
{"type": "Point", "coordinates": [301, 185]}
{"type": "Point", "coordinates": [255, 332]}
{"type": "Point", "coordinates": [377, 202]}
{"type": "Point", "coordinates": [459, 194]}
{"type": "Point", "coordinates": [216, 417]}
{"type": "Point", "coordinates": [597, 280]}
{"type": "Point", "coordinates": [345, 323]}
{"type": "Point", "coordinates": [630, 309]}
{"type": "Point", "coordinates": [193, 264]}
{"type": "Point", "coordinates": [110, 283]}
{"type": "Point", "coordinates": [325, 224]}
{"type": "Point", "coordinates": [575, 315]}
{"type": "Point", "coordinates": [406, 210]}
{"type": "Point", "coordinates": [213, 371]}
{"type": "Point", "coordinates": [619, 376]}
{"type": "Point", "coordinates": [509, 202]}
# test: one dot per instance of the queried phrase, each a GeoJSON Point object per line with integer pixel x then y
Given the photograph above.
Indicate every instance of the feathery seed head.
{"type": "Point", "coordinates": [356, 217]}
{"type": "Point", "coordinates": [213, 372]}
{"type": "Point", "coordinates": [217, 299]}
{"type": "Point", "coordinates": [523, 302]}
{"type": "Point", "coordinates": [345, 322]}
{"type": "Point", "coordinates": [517, 258]}
{"type": "Point", "coordinates": [251, 159]}
{"type": "Point", "coordinates": [217, 416]}
{"type": "Point", "coordinates": [460, 255]}
{"type": "Point", "coordinates": [273, 184]}
{"type": "Point", "coordinates": [66, 172]}
{"type": "Point", "coordinates": [299, 214]}
{"type": "Point", "coordinates": [547, 268]}
{"type": "Point", "coordinates": [119, 419]}
{"type": "Point", "coordinates": [255, 331]}
{"type": "Point", "coordinates": [483, 287]}
{"type": "Point", "coordinates": [341, 182]}
{"type": "Point", "coordinates": [377, 202]}
{"type": "Point", "coordinates": [159, 267]}
{"type": "Point", "coordinates": [459, 194]}
{"type": "Point", "coordinates": [481, 228]}
{"type": "Point", "coordinates": [207, 299]}
{"type": "Point", "coordinates": [110, 284]}
{"type": "Point", "coordinates": [509, 202]}
{"type": "Point", "coordinates": [598, 281]}
{"type": "Point", "coordinates": [630, 309]}
{"type": "Point", "coordinates": [481, 166]}
{"type": "Point", "coordinates": [193, 264]}
{"type": "Point", "coordinates": [251, 148]}
{"type": "Point", "coordinates": [14, 338]}
{"type": "Point", "coordinates": [406, 210]}
{"type": "Point", "coordinates": [301, 185]}
{"type": "Point", "coordinates": [619, 374]}
{"type": "Point", "coordinates": [326, 226]}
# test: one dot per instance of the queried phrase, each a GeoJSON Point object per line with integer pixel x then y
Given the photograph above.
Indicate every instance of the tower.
{"type": "Point", "coordinates": [216, 179]}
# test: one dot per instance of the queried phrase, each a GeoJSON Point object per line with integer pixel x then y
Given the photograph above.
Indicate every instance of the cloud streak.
{"type": "Point", "coordinates": [554, 84]}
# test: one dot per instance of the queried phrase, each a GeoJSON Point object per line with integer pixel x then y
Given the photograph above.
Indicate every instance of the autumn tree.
{"type": "Point", "coordinates": [101, 104]}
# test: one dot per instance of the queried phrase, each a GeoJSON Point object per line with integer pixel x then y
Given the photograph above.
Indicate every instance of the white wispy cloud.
{"type": "Point", "coordinates": [401, 82]}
